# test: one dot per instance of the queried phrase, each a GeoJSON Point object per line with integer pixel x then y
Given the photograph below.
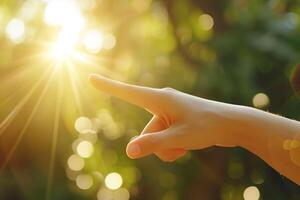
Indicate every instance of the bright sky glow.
{"type": "Point", "coordinates": [67, 15]}
{"type": "Point", "coordinates": [64, 13]}
{"type": "Point", "coordinates": [65, 45]}
{"type": "Point", "coordinates": [61, 51]}
{"type": "Point", "coordinates": [15, 30]}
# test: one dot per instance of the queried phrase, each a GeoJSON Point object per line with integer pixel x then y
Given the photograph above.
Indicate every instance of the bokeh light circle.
{"type": "Point", "coordinates": [15, 30]}
{"type": "Point", "coordinates": [75, 162]}
{"type": "Point", "coordinates": [107, 194]}
{"type": "Point", "coordinates": [122, 194]}
{"type": "Point", "coordinates": [93, 41]}
{"type": "Point", "coordinates": [251, 193]}
{"type": "Point", "coordinates": [261, 100]}
{"type": "Point", "coordinates": [109, 41]}
{"type": "Point", "coordinates": [113, 181]}
{"type": "Point", "coordinates": [206, 22]}
{"type": "Point", "coordinates": [85, 149]}
{"type": "Point", "coordinates": [84, 181]}
{"type": "Point", "coordinates": [83, 125]}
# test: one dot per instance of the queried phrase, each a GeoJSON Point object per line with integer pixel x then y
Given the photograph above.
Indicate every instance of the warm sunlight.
{"type": "Point", "coordinates": [70, 22]}
{"type": "Point", "coordinates": [63, 48]}
{"type": "Point", "coordinates": [56, 14]}
{"type": "Point", "coordinates": [70, 70]}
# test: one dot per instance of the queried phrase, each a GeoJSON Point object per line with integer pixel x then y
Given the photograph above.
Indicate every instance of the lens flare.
{"type": "Point", "coordinates": [15, 30]}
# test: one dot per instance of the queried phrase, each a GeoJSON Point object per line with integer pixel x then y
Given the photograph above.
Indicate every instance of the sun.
{"type": "Point", "coordinates": [72, 48]}
{"type": "Point", "coordinates": [71, 23]}
{"type": "Point", "coordinates": [63, 49]}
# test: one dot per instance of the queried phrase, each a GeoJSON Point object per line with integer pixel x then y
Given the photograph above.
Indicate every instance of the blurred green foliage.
{"type": "Point", "coordinates": [252, 47]}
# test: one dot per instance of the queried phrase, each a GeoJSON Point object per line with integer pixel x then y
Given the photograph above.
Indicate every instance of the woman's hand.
{"type": "Point", "coordinates": [180, 121]}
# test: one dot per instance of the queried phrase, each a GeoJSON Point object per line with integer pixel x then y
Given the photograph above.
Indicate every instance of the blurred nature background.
{"type": "Point", "coordinates": [62, 139]}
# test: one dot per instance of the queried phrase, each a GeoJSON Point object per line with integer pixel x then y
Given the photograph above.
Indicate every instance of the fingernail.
{"type": "Point", "coordinates": [134, 150]}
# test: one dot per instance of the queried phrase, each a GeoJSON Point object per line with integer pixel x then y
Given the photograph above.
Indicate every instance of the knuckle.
{"type": "Point", "coordinates": [168, 92]}
{"type": "Point", "coordinates": [168, 89]}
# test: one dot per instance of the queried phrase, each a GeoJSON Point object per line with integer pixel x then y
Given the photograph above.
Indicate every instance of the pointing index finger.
{"type": "Point", "coordinates": [138, 95]}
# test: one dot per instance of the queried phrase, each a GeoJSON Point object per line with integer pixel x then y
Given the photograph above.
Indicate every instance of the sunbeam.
{"type": "Point", "coordinates": [12, 95]}
{"type": "Point", "coordinates": [93, 63]}
{"type": "Point", "coordinates": [74, 88]}
{"type": "Point", "coordinates": [60, 90]}
{"type": "Point", "coordinates": [30, 58]}
{"type": "Point", "coordinates": [30, 91]}
{"type": "Point", "coordinates": [89, 60]}
{"type": "Point", "coordinates": [6, 122]}
{"type": "Point", "coordinates": [32, 114]}
{"type": "Point", "coordinates": [18, 73]}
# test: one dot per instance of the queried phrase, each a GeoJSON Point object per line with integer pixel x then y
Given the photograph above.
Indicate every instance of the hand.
{"type": "Point", "coordinates": [180, 121]}
{"type": "Point", "coordinates": [183, 122]}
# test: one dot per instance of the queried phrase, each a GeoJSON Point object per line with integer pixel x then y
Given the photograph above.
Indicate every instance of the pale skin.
{"type": "Point", "coordinates": [182, 122]}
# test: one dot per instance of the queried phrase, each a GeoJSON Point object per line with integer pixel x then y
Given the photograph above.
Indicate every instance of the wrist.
{"type": "Point", "coordinates": [248, 125]}
{"type": "Point", "coordinates": [229, 121]}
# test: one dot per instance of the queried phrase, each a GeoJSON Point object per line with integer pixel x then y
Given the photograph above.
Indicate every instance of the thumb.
{"type": "Point", "coordinates": [149, 143]}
